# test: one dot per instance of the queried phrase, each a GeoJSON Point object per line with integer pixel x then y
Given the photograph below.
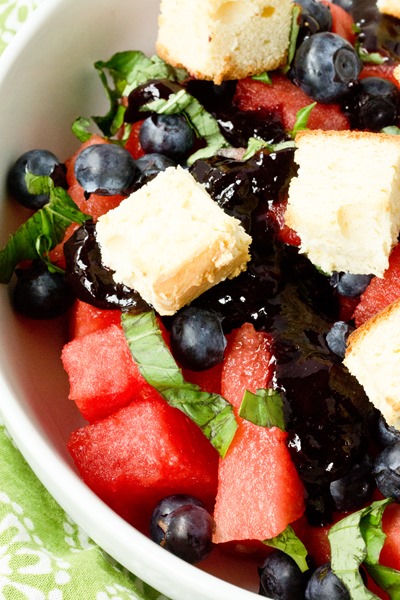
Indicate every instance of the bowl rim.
{"type": "Point", "coordinates": [59, 478]}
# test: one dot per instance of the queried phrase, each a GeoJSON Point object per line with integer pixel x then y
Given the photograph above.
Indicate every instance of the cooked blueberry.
{"type": "Point", "coordinates": [350, 284]}
{"type": "Point", "coordinates": [386, 470]}
{"type": "Point", "coordinates": [150, 165]}
{"type": "Point", "coordinates": [40, 294]}
{"type": "Point", "coordinates": [281, 578]}
{"type": "Point", "coordinates": [105, 169]}
{"type": "Point", "coordinates": [374, 104]}
{"type": "Point", "coordinates": [336, 338]}
{"type": "Point", "coordinates": [326, 66]}
{"type": "Point", "coordinates": [325, 585]}
{"type": "Point", "coordinates": [354, 489]}
{"type": "Point", "coordinates": [167, 134]}
{"type": "Point", "coordinates": [197, 339]}
{"type": "Point", "coordinates": [386, 434]}
{"type": "Point", "coordinates": [91, 281]}
{"type": "Point", "coordinates": [182, 525]}
{"type": "Point", "coordinates": [315, 17]}
{"type": "Point", "coordinates": [37, 162]}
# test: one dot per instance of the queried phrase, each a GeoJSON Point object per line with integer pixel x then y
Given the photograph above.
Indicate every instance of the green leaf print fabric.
{"type": "Point", "coordinates": [44, 555]}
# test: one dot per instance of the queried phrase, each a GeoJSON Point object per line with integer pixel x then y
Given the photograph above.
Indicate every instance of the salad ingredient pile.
{"type": "Point", "coordinates": [225, 248]}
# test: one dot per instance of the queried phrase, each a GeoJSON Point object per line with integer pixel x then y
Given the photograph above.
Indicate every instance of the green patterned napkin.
{"type": "Point", "coordinates": [44, 555]}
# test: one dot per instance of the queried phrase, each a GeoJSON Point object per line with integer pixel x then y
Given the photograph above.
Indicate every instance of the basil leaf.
{"type": "Point", "coordinates": [121, 74]}
{"type": "Point", "coordinates": [43, 230]}
{"type": "Point", "coordinates": [288, 542]}
{"type": "Point", "coordinates": [391, 130]}
{"type": "Point", "coordinates": [80, 129]}
{"type": "Point", "coordinates": [263, 77]}
{"type": "Point", "coordinates": [212, 413]}
{"type": "Point", "coordinates": [203, 123]}
{"type": "Point", "coordinates": [255, 144]}
{"type": "Point", "coordinates": [355, 539]}
{"type": "Point", "coordinates": [264, 408]}
{"type": "Point", "coordinates": [388, 579]}
{"type": "Point", "coordinates": [302, 117]}
{"type": "Point", "coordinates": [294, 32]}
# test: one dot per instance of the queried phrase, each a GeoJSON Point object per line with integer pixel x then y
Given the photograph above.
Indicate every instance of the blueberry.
{"type": "Point", "coordinates": [105, 169]}
{"type": "Point", "coordinates": [37, 162]}
{"type": "Point", "coordinates": [386, 470]}
{"type": "Point", "coordinates": [347, 5]}
{"type": "Point", "coordinates": [150, 165]}
{"type": "Point", "coordinates": [374, 104]}
{"type": "Point", "coordinates": [281, 578]}
{"type": "Point", "coordinates": [182, 525]}
{"type": "Point", "coordinates": [40, 294]}
{"type": "Point", "coordinates": [354, 489]}
{"type": "Point", "coordinates": [336, 338]}
{"type": "Point", "coordinates": [350, 284]}
{"type": "Point", "coordinates": [326, 66]}
{"type": "Point", "coordinates": [315, 17]}
{"type": "Point", "coordinates": [325, 585]}
{"type": "Point", "coordinates": [197, 339]}
{"type": "Point", "coordinates": [167, 134]}
{"type": "Point", "coordinates": [386, 434]}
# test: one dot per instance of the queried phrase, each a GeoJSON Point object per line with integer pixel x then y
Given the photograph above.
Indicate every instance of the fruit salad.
{"type": "Point", "coordinates": [230, 420]}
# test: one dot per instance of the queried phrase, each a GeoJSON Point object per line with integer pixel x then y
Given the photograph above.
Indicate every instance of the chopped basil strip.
{"type": "Point", "coordinates": [263, 77]}
{"type": "Point", "coordinates": [264, 408]}
{"type": "Point", "coordinates": [256, 144]}
{"type": "Point", "coordinates": [391, 130]}
{"type": "Point", "coordinates": [388, 579]}
{"type": "Point", "coordinates": [357, 539]}
{"type": "Point", "coordinates": [212, 413]}
{"type": "Point", "coordinates": [80, 129]}
{"type": "Point", "coordinates": [302, 117]}
{"type": "Point", "coordinates": [294, 32]}
{"type": "Point", "coordinates": [288, 542]}
{"type": "Point", "coordinates": [369, 57]}
{"type": "Point", "coordinates": [43, 230]}
{"type": "Point", "coordinates": [203, 123]}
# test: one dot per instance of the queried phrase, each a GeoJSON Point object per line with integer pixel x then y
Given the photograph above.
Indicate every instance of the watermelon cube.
{"type": "Point", "coordinates": [102, 374]}
{"type": "Point", "coordinates": [259, 490]}
{"type": "Point", "coordinates": [142, 453]}
{"type": "Point", "coordinates": [86, 318]}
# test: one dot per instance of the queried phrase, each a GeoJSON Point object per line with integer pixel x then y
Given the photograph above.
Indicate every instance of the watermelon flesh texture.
{"type": "Point", "coordinates": [141, 454]}
{"type": "Point", "coordinates": [259, 490]}
{"type": "Point", "coordinates": [103, 377]}
{"type": "Point", "coordinates": [86, 318]}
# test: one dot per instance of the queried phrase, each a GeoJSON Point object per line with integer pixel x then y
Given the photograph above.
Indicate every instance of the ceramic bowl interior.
{"type": "Point", "coordinates": [47, 79]}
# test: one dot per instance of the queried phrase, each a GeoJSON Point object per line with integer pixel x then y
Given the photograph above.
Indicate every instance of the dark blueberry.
{"type": "Point", "coordinates": [336, 338]}
{"type": "Point", "coordinates": [315, 17]}
{"type": "Point", "coordinates": [150, 165]}
{"type": "Point", "coordinates": [373, 104]}
{"type": "Point", "coordinates": [197, 339]}
{"type": "Point", "coordinates": [350, 284]}
{"type": "Point", "coordinates": [325, 585]}
{"type": "Point", "coordinates": [40, 294]}
{"type": "Point", "coordinates": [105, 169]}
{"type": "Point", "coordinates": [170, 135]}
{"type": "Point", "coordinates": [347, 5]}
{"type": "Point", "coordinates": [326, 66]}
{"type": "Point", "coordinates": [353, 490]}
{"type": "Point", "coordinates": [386, 434]}
{"type": "Point", "coordinates": [182, 525]}
{"type": "Point", "coordinates": [281, 578]}
{"type": "Point", "coordinates": [37, 162]}
{"type": "Point", "coordinates": [91, 281]}
{"type": "Point", "coordinates": [386, 470]}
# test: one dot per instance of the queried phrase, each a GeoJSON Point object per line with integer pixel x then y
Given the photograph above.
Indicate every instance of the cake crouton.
{"type": "Point", "coordinates": [344, 202]}
{"type": "Point", "coordinates": [220, 40]}
{"type": "Point", "coordinates": [389, 7]}
{"type": "Point", "coordinates": [373, 357]}
{"type": "Point", "coordinates": [171, 242]}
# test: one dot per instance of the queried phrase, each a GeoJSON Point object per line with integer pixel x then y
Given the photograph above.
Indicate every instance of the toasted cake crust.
{"type": "Point", "coordinates": [389, 7]}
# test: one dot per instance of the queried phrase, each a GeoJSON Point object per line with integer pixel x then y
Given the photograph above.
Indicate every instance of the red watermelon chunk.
{"type": "Point", "coordinates": [342, 22]}
{"type": "Point", "coordinates": [143, 453]}
{"type": "Point", "coordinates": [259, 490]}
{"type": "Point", "coordinates": [86, 318]}
{"type": "Point", "coordinates": [381, 291]}
{"type": "Point", "coordinates": [285, 99]}
{"type": "Point", "coordinates": [103, 376]}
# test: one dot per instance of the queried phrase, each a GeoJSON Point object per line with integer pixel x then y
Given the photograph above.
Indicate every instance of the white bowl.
{"type": "Point", "coordinates": [46, 80]}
